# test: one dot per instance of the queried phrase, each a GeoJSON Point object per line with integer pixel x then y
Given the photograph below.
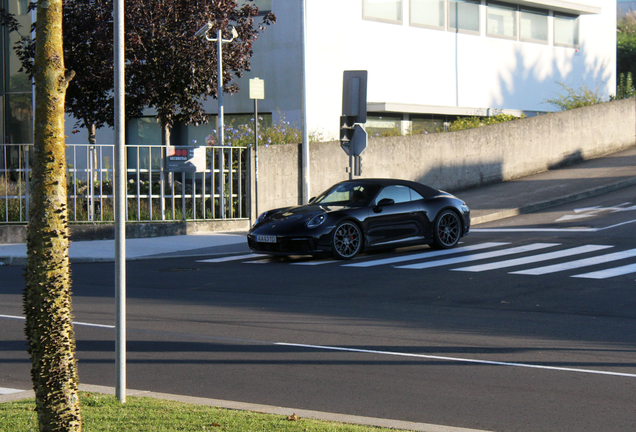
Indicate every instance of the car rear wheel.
{"type": "Point", "coordinates": [346, 241]}
{"type": "Point", "coordinates": [447, 230]}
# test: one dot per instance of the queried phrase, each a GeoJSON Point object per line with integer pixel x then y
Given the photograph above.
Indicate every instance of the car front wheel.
{"type": "Point", "coordinates": [346, 240]}
{"type": "Point", "coordinates": [447, 230]}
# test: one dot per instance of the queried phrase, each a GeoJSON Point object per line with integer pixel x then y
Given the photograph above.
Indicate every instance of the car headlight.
{"type": "Point", "coordinates": [317, 220]}
{"type": "Point", "coordinates": [261, 218]}
{"type": "Point", "coordinates": [464, 208]}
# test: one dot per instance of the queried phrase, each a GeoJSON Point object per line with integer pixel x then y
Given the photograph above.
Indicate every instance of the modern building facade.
{"type": "Point", "coordinates": [428, 61]}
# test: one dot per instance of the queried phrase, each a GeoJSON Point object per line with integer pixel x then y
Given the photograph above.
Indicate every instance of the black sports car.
{"type": "Point", "coordinates": [363, 214]}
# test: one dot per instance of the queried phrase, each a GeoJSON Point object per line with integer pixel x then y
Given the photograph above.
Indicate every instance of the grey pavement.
{"type": "Point", "coordinates": [498, 201]}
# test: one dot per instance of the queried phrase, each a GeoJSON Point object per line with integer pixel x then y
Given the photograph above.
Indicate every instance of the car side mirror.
{"type": "Point", "coordinates": [311, 200]}
{"type": "Point", "coordinates": [383, 203]}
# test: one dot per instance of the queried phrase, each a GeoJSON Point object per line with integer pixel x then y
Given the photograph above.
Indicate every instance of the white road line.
{"type": "Point", "coordinates": [12, 317]}
{"type": "Point", "coordinates": [5, 391]}
{"type": "Point", "coordinates": [430, 254]}
{"type": "Point", "coordinates": [230, 258]}
{"type": "Point", "coordinates": [313, 263]}
{"type": "Point", "coordinates": [457, 359]}
{"type": "Point", "coordinates": [561, 230]}
{"type": "Point", "coordinates": [604, 274]}
{"type": "Point", "coordinates": [476, 257]}
{"type": "Point", "coordinates": [532, 259]}
{"type": "Point", "coordinates": [579, 263]}
{"type": "Point", "coordinates": [77, 323]}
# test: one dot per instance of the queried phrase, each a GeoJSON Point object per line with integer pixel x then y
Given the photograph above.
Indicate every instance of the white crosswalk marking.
{"type": "Point", "coordinates": [579, 263]}
{"type": "Point", "coordinates": [604, 274]}
{"type": "Point", "coordinates": [532, 259]}
{"type": "Point", "coordinates": [481, 256]}
{"type": "Point", "coordinates": [313, 263]}
{"type": "Point", "coordinates": [467, 255]}
{"type": "Point", "coordinates": [429, 254]}
{"type": "Point", "coordinates": [231, 258]}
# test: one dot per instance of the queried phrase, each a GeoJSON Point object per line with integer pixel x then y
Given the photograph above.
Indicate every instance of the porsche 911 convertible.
{"type": "Point", "coordinates": [360, 215]}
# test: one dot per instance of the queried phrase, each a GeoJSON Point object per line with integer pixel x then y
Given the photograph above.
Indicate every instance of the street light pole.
{"type": "Point", "coordinates": [219, 130]}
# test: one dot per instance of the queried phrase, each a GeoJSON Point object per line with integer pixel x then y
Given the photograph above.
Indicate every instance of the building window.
{"type": "Point", "coordinates": [264, 6]}
{"type": "Point", "coordinates": [425, 125]}
{"type": "Point", "coordinates": [502, 21]}
{"type": "Point", "coordinates": [379, 125]}
{"type": "Point", "coordinates": [566, 30]}
{"type": "Point", "coordinates": [382, 10]}
{"type": "Point", "coordinates": [427, 13]}
{"type": "Point", "coordinates": [16, 89]}
{"type": "Point", "coordinates": [533, 25]}
{"type": "Point", "coordinates": [463, 15]}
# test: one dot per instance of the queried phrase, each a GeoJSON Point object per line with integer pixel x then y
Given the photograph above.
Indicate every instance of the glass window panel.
{"type": "Point", "coordinates": [533, 25]}
{"type": "Point", "coordinates": [2, 124]}
{"type": "Point", "coordinates": [427, 13]}
{"type": "Point", "coordinates": [566, 30]}
{"type": "Point", "coordinates": [383, 126]}
{"type": "Point", "coordinates": [19, 110]}
{"type": "Point", "coordinates": [17, 81]}
{"type": "Point", "coordinates": [399, 194]}
{"type": "Point", "coordinates": [463, 15]}
{"type": "Point", "coordinates": [385, 10]}
{"type": "Point", "coordinates": [502, 21]}
{"type": "Point", "coordinates": [143, 131]}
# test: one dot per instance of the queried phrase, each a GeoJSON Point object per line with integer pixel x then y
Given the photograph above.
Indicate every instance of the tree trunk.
{"type": "Point", "coordinates": [47, 298]}
{"type": "Point", "coordinates": [92, 131]}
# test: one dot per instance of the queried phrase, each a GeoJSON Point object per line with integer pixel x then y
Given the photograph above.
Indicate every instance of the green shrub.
{"type": "Point", "coordinates": [475, 122]}
{"type": "Point", "coordinates": [575, 98]}
{"type": "Point", "coordinates": [625, 88]}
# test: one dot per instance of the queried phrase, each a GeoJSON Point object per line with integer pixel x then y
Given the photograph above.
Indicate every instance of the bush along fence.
{"type": "Point", "coordinates": [220, 191]}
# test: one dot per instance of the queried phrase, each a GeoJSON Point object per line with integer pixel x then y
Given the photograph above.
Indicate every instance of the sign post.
{"type": "Point", "coordinates": [353, 137]}
{"type": "Point", "coordinates": [257, 91]}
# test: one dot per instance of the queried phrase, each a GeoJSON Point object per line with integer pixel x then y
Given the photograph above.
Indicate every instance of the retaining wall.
{"type": "Point", "coordinates": [455, 161]}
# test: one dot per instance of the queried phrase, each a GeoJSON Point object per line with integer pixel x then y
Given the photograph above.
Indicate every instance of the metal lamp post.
{"type": "Point", "coordinates": [203, 32]}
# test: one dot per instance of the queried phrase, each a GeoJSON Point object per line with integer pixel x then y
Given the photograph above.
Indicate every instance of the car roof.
{"type": "Point", "coordinates": [425, 191]}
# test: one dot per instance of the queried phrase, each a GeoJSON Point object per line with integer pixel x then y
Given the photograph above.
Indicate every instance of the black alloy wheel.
{"type": "Point", "coordinates": [447, 230]}
{"type": "Point", "coordinates": [346, 241]}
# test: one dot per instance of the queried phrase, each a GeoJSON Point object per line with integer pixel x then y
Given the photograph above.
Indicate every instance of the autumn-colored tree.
{"type": "Point", "coordinates": [171, 70]}
{"type": "Point", "coordinates": [47, 297]}
{"type": "Point", "coordinates": [168, 69]}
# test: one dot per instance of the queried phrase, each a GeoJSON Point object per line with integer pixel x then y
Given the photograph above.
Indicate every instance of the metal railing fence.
{"type": "Point", "coordinates": [221, 191]}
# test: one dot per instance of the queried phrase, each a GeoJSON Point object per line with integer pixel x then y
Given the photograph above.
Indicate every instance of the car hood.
{"type": "Point", "coordinates": [289, 217]}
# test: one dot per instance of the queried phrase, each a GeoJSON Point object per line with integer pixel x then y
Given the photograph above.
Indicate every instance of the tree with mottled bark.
{"type": "Point", "coordinates": [47, 296]}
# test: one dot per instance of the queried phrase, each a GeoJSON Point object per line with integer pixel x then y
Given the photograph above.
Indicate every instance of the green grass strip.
{"type": "Point", "coordinates": [144, 414]}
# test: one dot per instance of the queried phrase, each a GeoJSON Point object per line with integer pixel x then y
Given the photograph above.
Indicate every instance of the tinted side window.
{"type": "Point", "coordinates": [399, 194]}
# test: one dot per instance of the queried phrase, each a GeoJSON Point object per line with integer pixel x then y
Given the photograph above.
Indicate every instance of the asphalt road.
{"type": "Point", "coordinates": [515, 345]}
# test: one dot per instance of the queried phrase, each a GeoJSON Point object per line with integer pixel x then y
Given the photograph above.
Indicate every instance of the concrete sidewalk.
{"type": "Point", "coordinates": [536, 192]}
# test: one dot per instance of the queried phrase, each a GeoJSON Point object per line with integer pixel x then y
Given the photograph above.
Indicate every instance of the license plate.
{"type": "Point", "coordinates": [266, 239]}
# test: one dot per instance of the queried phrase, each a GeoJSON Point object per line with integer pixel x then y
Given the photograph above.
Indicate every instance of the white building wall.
{"type": "Point", "coordinates": [413, 65]}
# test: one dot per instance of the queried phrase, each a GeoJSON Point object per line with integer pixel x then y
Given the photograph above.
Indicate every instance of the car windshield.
{"type": "Point", "coordinates": [348, 194]}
